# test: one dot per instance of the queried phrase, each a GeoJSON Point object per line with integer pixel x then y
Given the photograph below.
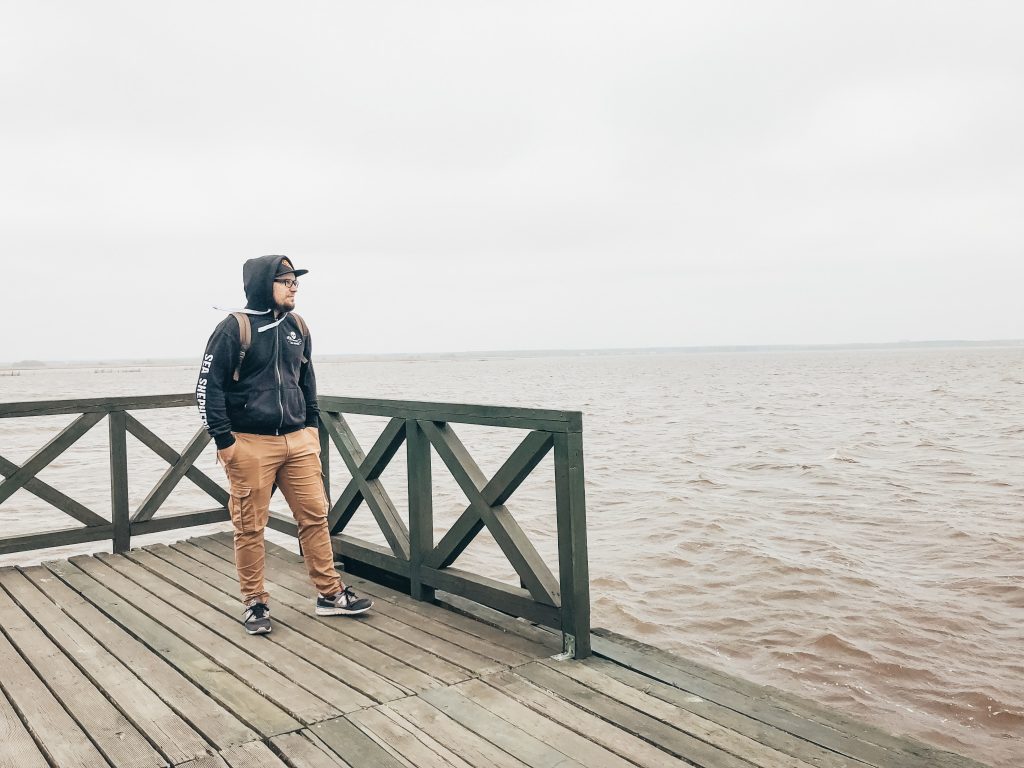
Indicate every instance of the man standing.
{"type": "Point", "coordinates": [257, 397]}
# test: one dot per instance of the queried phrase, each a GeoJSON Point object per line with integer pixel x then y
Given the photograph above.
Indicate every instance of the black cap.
{"type": "Point", "coordinates": [286, 266]}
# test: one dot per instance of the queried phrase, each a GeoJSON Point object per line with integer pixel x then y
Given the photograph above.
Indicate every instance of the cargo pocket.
{"type": "Point", "coordinates": [240, 505]}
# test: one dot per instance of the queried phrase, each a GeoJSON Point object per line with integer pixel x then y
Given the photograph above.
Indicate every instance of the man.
{"type": "Point", "coordinates": [260, 407]}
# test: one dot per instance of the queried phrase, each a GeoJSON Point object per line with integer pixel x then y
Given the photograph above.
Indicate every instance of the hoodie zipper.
{"type": "Point", "coordinates": [277, 371]}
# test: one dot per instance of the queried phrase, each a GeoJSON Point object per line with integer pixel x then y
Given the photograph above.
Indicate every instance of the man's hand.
{"type": "Point", "coordinates": [226, 454]}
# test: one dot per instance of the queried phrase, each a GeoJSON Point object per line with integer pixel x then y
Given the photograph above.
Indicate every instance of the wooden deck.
{"type": "Point", "coordinates": [139, 660]}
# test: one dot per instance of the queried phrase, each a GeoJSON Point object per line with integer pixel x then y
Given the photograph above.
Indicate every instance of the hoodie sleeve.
{"type": "Point", "coordinates": [218, 366]}
{"type": "Point", "coordinates": [307, 382]}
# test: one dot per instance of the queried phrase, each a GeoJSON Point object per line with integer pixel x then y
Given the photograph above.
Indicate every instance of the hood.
{"type": "Point", "coordinates": [258, 279]}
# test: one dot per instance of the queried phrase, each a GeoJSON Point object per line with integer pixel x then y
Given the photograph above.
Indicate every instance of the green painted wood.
{"type": "Point", "coordinates": [351, 548]}
{"type": "Point", "coordinates": [100, 405]}
{"type": "Point", "coordinates": [458, 413]}
{"type": "Point", "coordinates": [292, 609]}
{"type": "Point", "coordinates": [352, 745]}
{"type": "Point", "coordinates": [283, 524]}
{"type": "Point", "coordinates": [472, 748]}
{"type": "Point", "coordinates": [373, 492]}
{"type": "Point", "coordinates": [573, 566]}
{"type": "Point", "coordinates": [514, 601]}
{"type": "Point", "coordinates": [54, 448]}
{"type": "Point", "coordinates": [666, 737]}
{"type": "Point", "coordinates": [120, 516]}
{"type": "Point", "coordinates": [325, 458]}
{"type": "Point", "coordinates": [148, 438]}
{"type": "Point", "coordinates": [172, 477]}
{"type": "Point", "coordinates": [185, 520]}
{"type": "Point", "coordinates": [201, 711]}
{"type": "Point", "coordinates": [421, 507]}
{"type": "Point", "coordinates": [59, 538]}
{"type": "Point", "coordinates": [304, 749]}
{"type": "Point", "coordinates": [515, 545]}
{"type": "Point", "coordinates": [52, 496]}
{"type": "Point", "coordinates": [149, 715]}
{"type": "Point", "coordinates": [497, 491]}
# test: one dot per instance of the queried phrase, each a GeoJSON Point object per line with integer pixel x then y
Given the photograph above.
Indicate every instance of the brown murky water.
{"type": "Point", "coordinates": [846, 525]}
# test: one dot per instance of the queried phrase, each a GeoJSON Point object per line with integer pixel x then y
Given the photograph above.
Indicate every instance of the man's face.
{"type": "Point", "coordinates": [284, 297]}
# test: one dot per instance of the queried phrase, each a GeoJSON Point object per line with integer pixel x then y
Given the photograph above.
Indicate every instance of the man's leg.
{"type": "Point", "coordinates": [301, 482]}
{"type": "Point", "coordinates": [251, 475]}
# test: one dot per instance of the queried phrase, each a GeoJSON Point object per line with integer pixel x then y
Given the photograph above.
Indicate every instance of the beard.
{"type": "Point", "coordinates": [287, 306]}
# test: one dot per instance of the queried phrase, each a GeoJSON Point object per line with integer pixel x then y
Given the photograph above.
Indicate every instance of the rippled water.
{"type": "Point", "coordinates": [846, 525]}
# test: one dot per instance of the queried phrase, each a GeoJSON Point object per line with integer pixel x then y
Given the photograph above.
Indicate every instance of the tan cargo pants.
{"type": "Point", "coordinates": [293, 462]}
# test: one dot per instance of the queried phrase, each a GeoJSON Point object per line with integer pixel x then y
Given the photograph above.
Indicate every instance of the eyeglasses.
{"type": "Point", "coordinates": [288, 283]}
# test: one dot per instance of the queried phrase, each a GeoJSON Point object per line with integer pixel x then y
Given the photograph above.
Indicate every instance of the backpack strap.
{"type": "Point", "coordinates": [245, 336]}
{"type": "Point", "coordinates": [305, 332]}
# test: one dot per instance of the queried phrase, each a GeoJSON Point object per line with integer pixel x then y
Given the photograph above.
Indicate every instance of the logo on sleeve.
{"type": "Point", "coordinates": [293, 338]}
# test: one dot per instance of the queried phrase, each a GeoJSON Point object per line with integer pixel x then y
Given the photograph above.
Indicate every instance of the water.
{"type": "Point", "coordinates": [846, 525]}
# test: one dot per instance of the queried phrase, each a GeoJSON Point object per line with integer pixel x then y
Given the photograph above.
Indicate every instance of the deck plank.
{"type": "Point", "coordinates": [305, 750]}
{"type": "Point", "coordinates": [17, 748]}
{"type": "Point", "coordinates": [384, 720]}
{"type": "Point", "coordinates": [294, 611]}
{"type": "Point", "coordinates": [352, 745]}
{"type": "Point", "coordinates": [114, 735]}
{"type": "Point", "coordinates": [397, 647]}
{"type": "Point", "coordinates": [247, 704]}
{"type": "Point", "coordinates": [255, 754]}
{"type": "Point", "coordinates": [59, 735]}
{"type": "Point", "coordinates": [275, 665]}
{"type": "Point", "coordinates": [352, 685]}
{"type": "Point", "coordinates": [203, 713]}
{"type": "Point", "coordinates": [147, 712]}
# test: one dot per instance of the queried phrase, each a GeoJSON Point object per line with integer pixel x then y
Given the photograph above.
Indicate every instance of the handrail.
{"type": "Point", "coordinates": [411, 554]}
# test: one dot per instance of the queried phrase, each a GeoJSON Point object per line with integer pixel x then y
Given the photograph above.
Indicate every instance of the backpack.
{"type": "Point", "coordinates": [245, 336]}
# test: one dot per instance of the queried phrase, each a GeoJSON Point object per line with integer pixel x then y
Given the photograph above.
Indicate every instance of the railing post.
{"type": "Point", "coordinates": [573, 569]}
{"type": "Point", "coordinates": [421, 507]}
{"type": "Point", "coordinates": [119, 514]}
{"type": "Point", "coordinates": [325, 459]}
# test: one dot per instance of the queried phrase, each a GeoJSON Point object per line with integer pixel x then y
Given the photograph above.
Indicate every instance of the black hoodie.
{"type": "Point", "coordinates": [276, 389]}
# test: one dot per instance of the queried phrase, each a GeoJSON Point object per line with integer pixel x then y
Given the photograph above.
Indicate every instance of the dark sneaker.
{"type": "Point", "coordinates": [345, 603]}
{"type": "Point", "coordinates": [257, 619]}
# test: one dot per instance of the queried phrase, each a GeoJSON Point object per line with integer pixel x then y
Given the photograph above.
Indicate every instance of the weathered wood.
{"type": "Point", "coordinates": [52, 496]}
{"type": "Point", "coordinates": [573, 568]}
{"type": "Point", "coordinates": [458, 413]}
{"type": "Point", "coordinates": [148, 438]}
{"type": "Point", "coordinates": [119, 514]}
{"type": "Point", "coordinates": [465, 743]}
{"type": "Point", "coordinates": [532, 569]}
{"type": "Point", "coordinates": [498, 490]}
{"type": "Point", "coordinates": [421, 507]}
{"type": "Point", "coordinates": [304, 749]}
{"type": "Point", "coordinates": [147, 712]}
{"type": "Point", "coordinates": [403, 740]}
{"type": "Point", "coordinates": [54, 448]}
{"type": "Point", "coordinates": [59, 735]}
{"type": "Point", "coordinates": [203, 713]}
{"type": "Point", "coordinates": [371, 489]}
{"type": "Point", "coordinates": [230, 639]}
{"type": "Point", "coordinates": [352, 745]}
{"type": "Point", "coordinates": [371, 554]}
{"type": "Point", "coordinates": [666, 737]}
{"type": "Point", "coordinates": [100, 405]}
{"type": "Point", "coordinates": [351, 681]}
{"type": "Point", "coordinates": [16, 745]}
{"type": "Point", "coordinates": [185, 520]}
{"type": "Point", "coordinates": [255, 754]}
{"type": "Point", "coordinates": [262, 715]}
{"type": "Point", "coordinates": [172, 477]}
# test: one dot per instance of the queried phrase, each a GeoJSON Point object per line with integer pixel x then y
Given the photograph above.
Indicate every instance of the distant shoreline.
{"type": "Point", "coordinates": [25, 365]}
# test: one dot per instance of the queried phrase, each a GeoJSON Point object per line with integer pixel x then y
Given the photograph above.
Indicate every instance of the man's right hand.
{"type": "Point", "coordinates": [226, 454]}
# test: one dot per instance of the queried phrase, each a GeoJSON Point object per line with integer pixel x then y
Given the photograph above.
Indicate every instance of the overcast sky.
{"type": "Point", "coordinates": [518, 175]}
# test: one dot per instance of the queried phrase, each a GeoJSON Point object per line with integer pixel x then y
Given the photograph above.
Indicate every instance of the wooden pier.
{"type": "Point", "coordinates": [138, 658]}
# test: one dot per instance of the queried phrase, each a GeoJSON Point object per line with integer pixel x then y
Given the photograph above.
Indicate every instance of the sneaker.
{"type": "Point", "coordinates": [257, 619]}
{"type": "Point", "coordinates": [344, 603]}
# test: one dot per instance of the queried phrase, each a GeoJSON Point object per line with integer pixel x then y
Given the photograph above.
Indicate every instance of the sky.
{"type": "Point", "coordinates": [532, 175]}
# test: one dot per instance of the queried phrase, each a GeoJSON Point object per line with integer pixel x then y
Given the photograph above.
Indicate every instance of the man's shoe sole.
{"type": "Point", "coordinates": [259, 631]}
{"type": "Point", "coordinates": [340, 611]}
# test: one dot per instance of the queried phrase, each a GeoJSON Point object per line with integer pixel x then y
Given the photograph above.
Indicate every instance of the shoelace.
{"type": "Point", "coordinates": [258, 610]}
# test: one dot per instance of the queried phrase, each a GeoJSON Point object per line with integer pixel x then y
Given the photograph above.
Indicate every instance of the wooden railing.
{"type": "Point", "coordinates": [411, 554]}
